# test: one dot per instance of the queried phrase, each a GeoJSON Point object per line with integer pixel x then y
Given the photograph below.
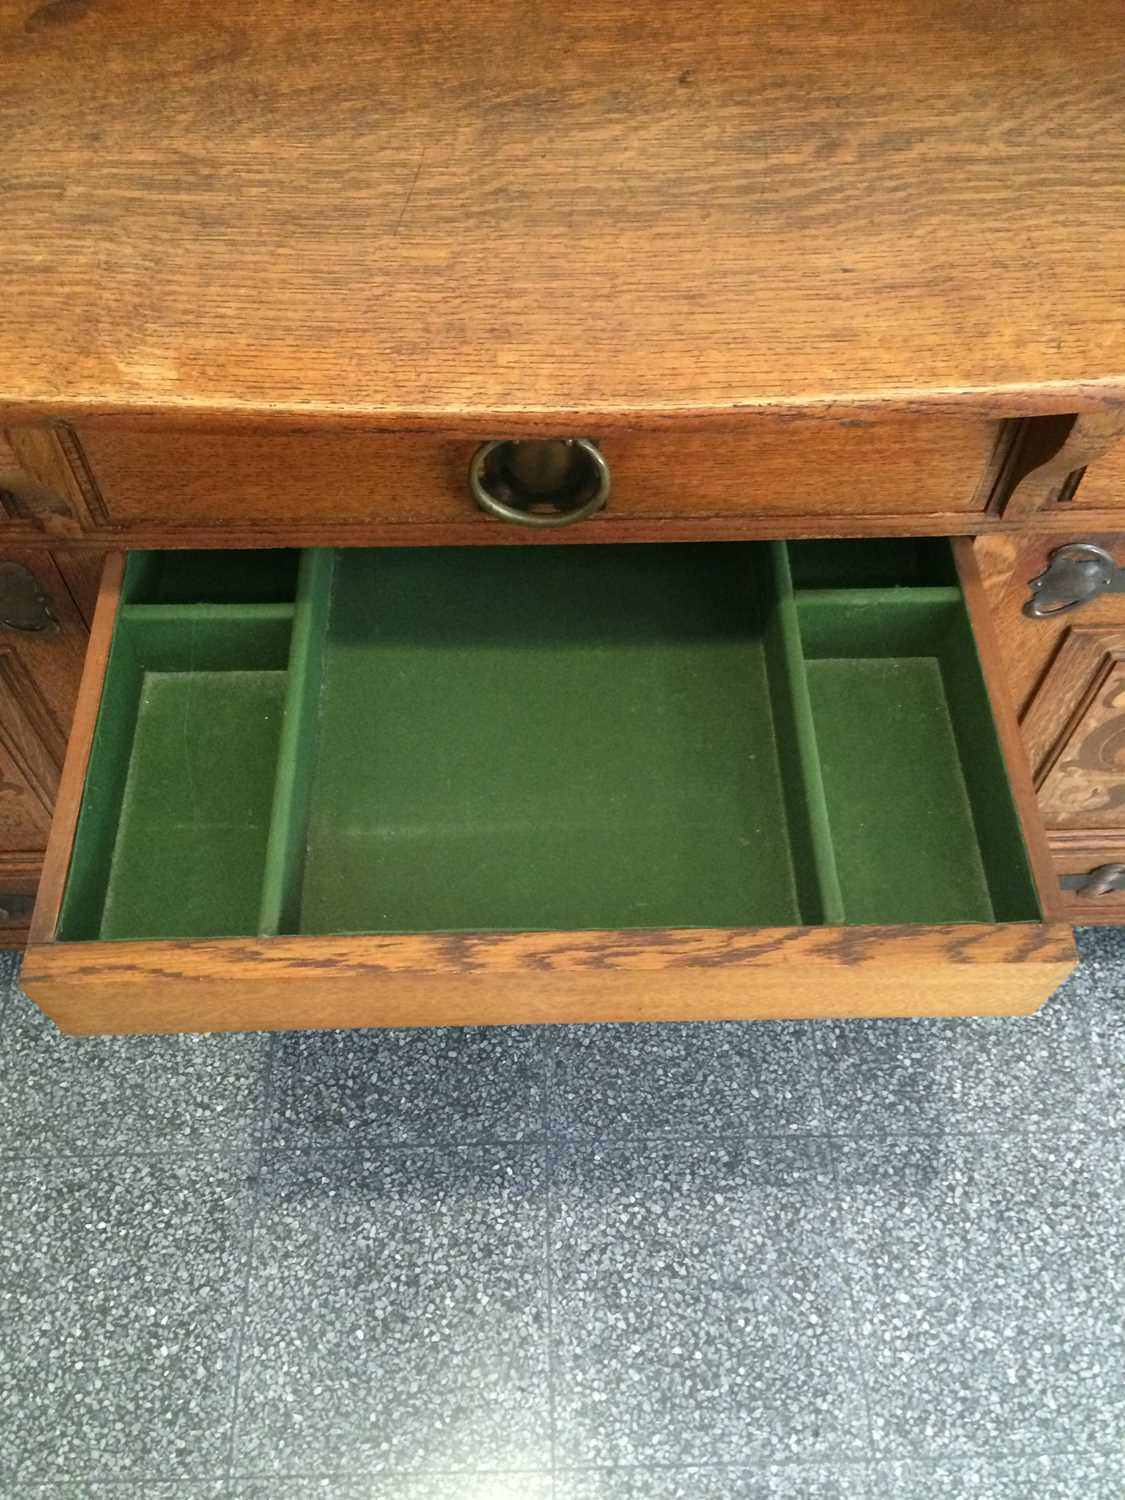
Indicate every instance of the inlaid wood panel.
{"type": "Point", "coordinates": [1079, 755]}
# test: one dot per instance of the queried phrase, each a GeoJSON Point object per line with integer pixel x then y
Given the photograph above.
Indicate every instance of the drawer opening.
{"type": "Point", "coordinates": [432, 740]}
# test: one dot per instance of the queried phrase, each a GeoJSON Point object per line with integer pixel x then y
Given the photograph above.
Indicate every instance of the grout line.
{"type": "Point", "coordinates": [752, 1465]}
{"type": "Point", "coordinates": [66, 1482]}
{"type": "Point", "coordinates": [243, 1315]}
{"type": "Point", "coordinates": [601, 1143]}
{"type": "Point", "coordinates": [548, 1236]}
{"type": "Point", "coordinates": [374, 1473]}
{"type": "Point", "coordinates": [839, 1247]}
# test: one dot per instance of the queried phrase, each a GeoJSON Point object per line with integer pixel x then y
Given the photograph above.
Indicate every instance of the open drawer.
{"type": "Point", "coordinates": [431, 786]}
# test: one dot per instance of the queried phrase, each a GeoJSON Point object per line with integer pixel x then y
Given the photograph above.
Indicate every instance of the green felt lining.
{"type": "Point", "coordinates": [546, 739]}
{"type": "Point", "coordinates": [285, 854]}
{"type": "Point", "coordinates": [211, 577]}
{"type": "Point", "coordinates": [175, 811]}
{"type": "Point", "coordinates": [543, 738]}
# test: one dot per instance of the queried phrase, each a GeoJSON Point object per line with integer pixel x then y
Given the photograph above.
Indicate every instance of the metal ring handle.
{"type": "Point", "coordinates": [497, 506]}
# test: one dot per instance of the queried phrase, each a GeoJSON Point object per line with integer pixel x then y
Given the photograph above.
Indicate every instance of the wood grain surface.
{"type": "Point", "coordinates": [511, 978]}
{"type": "Point", "coordinates": [521, 216]}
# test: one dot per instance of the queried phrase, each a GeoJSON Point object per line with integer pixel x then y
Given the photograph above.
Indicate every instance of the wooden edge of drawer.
{"type": "Point", "coordinates": [509, 978]}
{"type": "Point", "coordinates": [789, 973]}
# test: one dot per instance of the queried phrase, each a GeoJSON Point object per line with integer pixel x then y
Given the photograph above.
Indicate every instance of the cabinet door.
{"type": "Point", "coordinates": [40, 666]}
{"type": "Point", "coordinates": [1067, 678]}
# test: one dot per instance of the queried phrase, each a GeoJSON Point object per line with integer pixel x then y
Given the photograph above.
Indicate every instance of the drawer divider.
{"type": "Point", "coordinates": [806, 803]}
{"type": "Point", "coordinates": [285, 849]}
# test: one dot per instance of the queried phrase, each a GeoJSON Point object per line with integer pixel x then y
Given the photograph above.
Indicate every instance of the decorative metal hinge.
{"type": "Point", "coordinates": [1075, 574]}
{"type": "Point", "coordinates": [1100, 881]}
{"type": "Point", "coordinates": [23, 604]}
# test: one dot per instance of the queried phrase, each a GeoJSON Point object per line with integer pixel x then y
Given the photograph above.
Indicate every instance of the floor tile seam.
{"type": "Point", "coordinates": [243, 1315]}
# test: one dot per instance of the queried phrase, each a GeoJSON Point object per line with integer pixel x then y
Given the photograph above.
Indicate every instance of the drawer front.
{"type": "Point", "coordinates": [1090, 866]}
{"type": "Point", "coordinates": [19, 880]}
{"type": "Point", "coordinates": [418, 786]}
{"type": "Point", "coordinates": [163, 481]}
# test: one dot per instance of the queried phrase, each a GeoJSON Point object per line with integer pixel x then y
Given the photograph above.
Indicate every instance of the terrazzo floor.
{"type": "Point", "coordinates": [711, 1262]}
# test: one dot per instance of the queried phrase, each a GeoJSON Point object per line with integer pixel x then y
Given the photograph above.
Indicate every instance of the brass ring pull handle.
{"type": "Point", "coordinates": [540, 482]}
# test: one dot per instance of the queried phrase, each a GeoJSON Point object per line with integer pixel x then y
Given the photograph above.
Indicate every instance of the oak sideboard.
{"type": "Point", "coordinates": [585, 512]}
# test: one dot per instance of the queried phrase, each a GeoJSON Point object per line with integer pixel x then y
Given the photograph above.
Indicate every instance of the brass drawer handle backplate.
{"type": "Point", "coordinates": [23, 604]}
{"type": "Point", "coordinates": [1074, 575]}
{"type": "Point", "coordinates": [540, 482]}
{"type": "Point", "coordinates": [1103, 880]}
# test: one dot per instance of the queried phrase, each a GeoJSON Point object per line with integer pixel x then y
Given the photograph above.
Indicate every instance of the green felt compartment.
{"type": "Point", "coordinates": [211, 577]}
{"type": "Point", "coordinates": [920, 813]}
{"type": "Point", "coordinates": [899, 562]}
{"type": "Point", "coordinates": [814, 859]}
{"type": "Point", "coordinates": [176, 809]}
{"type": "Point", "coordinates": [543, 737]}
{"type": "Point", "coordinates": [285, 851]}
{"type": "Point", "coordinates": [520, 738]}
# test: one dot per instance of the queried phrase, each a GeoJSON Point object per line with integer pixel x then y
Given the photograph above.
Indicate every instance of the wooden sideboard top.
{"type": "Point", "coordinates": [519, 215]}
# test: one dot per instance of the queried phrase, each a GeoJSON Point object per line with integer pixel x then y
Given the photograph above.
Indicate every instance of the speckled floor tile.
{"type": "Point", "coordinates": [965, 1075]}
{"type": "Point", "coordinates": [706, 1078]}
{"type": "Point", "coordinates": [35, 1067]}
{"type": "Point", "coordinates": [120, 1284]}
{"type": "Point", "coordinates": [1068, 1476]}
{"type": "Point", "coordinates": [399, 1487]}
{"type": "Point", "coordinates": [773, 1482]}
{"type": "Point", "coordinates": [398, 1314]}
{"type": "Point", "coordinates": [1103, 943]}
{"type": "Point", "coordinates": [1096, 991]}
{"type": "Point", "coordinates": [132, 1094]}
{"type": "Point", "coordinates": [347, 1088]}
{"type": "Point", "coordinates": [699, 1314]}
{"type": "Point", "coordinates": [989, 1277]}
{"type": "Point", "coordinates": [9, 967]}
